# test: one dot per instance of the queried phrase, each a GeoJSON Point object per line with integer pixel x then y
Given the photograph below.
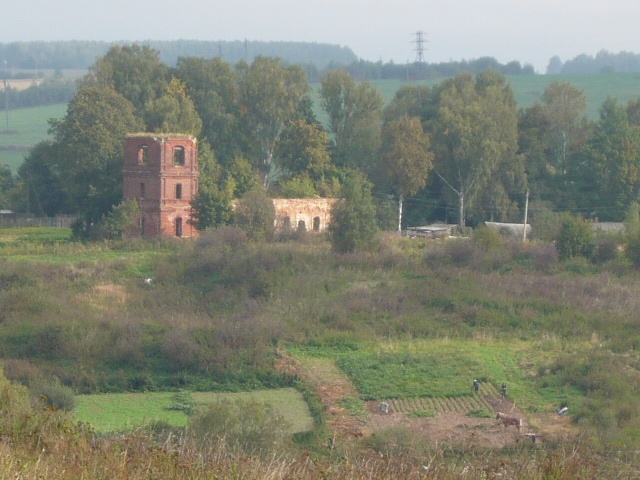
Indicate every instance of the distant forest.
{"type": "Point", "coordinates": [32, 59]}
{"type": "Point", "coordinates": [25, 59]}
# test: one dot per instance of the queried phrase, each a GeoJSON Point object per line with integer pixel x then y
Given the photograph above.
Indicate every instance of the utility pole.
{"type": "Point", "coordinates": [526, 212]}
{"type": "Point", "coordinates": [6, 95]}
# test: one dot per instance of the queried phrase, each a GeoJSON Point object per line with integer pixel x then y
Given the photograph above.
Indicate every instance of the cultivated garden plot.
{"type": "Point", "coordinates": [427, 386]}
{"type": "Point", "coordinates": [426, 405]}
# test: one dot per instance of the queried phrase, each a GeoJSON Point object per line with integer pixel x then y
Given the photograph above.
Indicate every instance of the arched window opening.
{"type": "Point", "coordinates": [178, 156]}
{"type": "Point", "coordinates": [178, 227]}
{"type": "Point", "coordinates": [179, 191]}
{"type": "Point", "coordinates": [142, 225]}
{"type": "Point", "coordinates": [302, 226]}
{"type": "Point", "coordinates": [142, 190]}
{"type": "Point", "coordinates": [287, 224]}
{"type": "Point", "coordinates": [316, 224]}
{"type": "Point", "coordinates": [143, 154]}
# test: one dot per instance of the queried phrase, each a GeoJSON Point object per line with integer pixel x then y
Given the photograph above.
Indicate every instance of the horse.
{"type": "Point", "coordinates": [507, 420]}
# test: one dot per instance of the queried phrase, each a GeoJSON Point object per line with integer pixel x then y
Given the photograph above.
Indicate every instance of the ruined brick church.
{"type": "Point", "coordinates": [161, 173]}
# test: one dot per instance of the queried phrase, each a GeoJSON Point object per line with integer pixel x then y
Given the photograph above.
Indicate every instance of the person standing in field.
{"type": "Point", "coordinates": [476, 386]}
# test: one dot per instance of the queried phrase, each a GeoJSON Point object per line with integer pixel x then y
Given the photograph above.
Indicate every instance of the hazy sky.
{"type": "Point", "coordinates": [530, 31]}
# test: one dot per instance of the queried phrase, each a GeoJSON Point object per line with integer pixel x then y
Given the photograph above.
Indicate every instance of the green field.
{"type": "Point", "coordinates": [30, 126]}
{"type": "Point", "coordinates": [123, 411]}
{"type": "Point", "coordinates": [31, 235]}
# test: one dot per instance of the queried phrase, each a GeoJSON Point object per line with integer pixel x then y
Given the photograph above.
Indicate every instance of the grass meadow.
{"type": "Point", "coordinates": [119, 412]}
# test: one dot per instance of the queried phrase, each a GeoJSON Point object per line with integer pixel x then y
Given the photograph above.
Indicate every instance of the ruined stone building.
{"type": "Point", "coordinates": [161, 174]}
{"type": "Point", "coordinates": [310, 214]}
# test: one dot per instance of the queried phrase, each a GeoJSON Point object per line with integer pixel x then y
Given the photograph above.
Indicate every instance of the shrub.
{"type": "Point", "coordinates": [255, 214]}
{"type": "Point", "coordinates": [247, 426]}
{"type": "Point", "coordinates": [22, 371]}
{"type": "Point", "coordinates": [220, 237]}
{"type": "Point", "coordinates": [544, 257]}
{"type": "Point", "coordinates": [51, 393]}
{"type": "Point", "coordinates": [488, 238]}
{"type": "Point", "coordinates": [606, 249]}
{"type": "Point", "coordinates": [49, 342]}
{"type": "Point", "coordinates": [180, 350]}
{"type": "Point", "coordinates": [394, 441]}
{"type": "Point", "coordinates": [461, 252]}
{"type": "Point", "coordinates": [118, 220]}
{"type": "Point", "coordinates": [545, 223]}
{"type": "Point", "coordinates": [575, 238]}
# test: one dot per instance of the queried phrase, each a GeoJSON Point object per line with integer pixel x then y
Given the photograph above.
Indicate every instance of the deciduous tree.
{"type": "Point", "coordinates": [355, 111]}
{"type": "Point", "coordinates": [474, 131]}
{"type": "Point", "coordinates": [211, 206]}
{"type": "Point", "coordinates": [90, 139]}
{"type": "Point", "coordinates": [270, 94]}
{"type": "Point", "coordinates": [565, 106]}
{"type": "Point", "coordinates": [7, 182]}
{"type": "Point", "coordinates": [40, 183]}
{"type": "Point", "coordinates": [303, 148]}
{"type": "Point", "coordinates": [353, 218]}
{"type": "Point", "coordinates": [133, 71]}
{"type": "Point", "coordinates": [406, 157]}
{"type": "Point", "coordinates": [173, 112]}
{"type": "Point", "coordinates": [613, 165]}
{"type": "Point", "coordinates": [213, 87]}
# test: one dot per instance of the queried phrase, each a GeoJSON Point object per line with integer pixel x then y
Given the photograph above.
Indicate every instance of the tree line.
{"type": "Point", "coordinates": [460, 151]}
{"type": "Point", "coordinates": [81, 54]}
{"type": "Point", "coordinates": [602, 62]}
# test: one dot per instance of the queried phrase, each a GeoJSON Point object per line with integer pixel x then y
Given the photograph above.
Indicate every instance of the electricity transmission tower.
{"type": "Point", "coordinates": [419, 41]}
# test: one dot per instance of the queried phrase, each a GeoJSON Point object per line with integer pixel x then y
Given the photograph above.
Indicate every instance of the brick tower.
{"type": "Point", "coordinates": [161, 174]}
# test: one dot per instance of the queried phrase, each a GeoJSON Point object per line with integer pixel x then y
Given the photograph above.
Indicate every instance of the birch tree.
{"type": "Point", "coordinates": [270, 94]}
{"type": "Point", "coordinates": [406, 158]}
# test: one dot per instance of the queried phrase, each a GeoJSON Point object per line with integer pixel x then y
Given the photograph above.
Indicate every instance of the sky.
{"type": "Point", "coordinates": [529, 31]}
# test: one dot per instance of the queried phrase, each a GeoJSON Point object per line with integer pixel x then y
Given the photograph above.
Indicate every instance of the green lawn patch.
{"type": "Point", "coordinates": [41, 235]}
{"type": "Point", "coordinates": [123, 411]}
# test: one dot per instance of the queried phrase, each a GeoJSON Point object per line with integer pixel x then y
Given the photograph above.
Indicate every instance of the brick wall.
{"type": "Point", "coordinates": [315, 213]}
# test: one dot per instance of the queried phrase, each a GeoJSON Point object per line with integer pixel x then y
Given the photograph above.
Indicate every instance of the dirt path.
{"type": "Point", "coordinates": [333, 388]}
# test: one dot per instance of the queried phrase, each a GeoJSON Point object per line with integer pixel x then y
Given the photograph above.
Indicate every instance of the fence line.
{"type": "Point", "coordinates": [18, 220]}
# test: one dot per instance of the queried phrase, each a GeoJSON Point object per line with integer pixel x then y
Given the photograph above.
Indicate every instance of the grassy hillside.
{"type": "Point", "coordinates": [412, 324]}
